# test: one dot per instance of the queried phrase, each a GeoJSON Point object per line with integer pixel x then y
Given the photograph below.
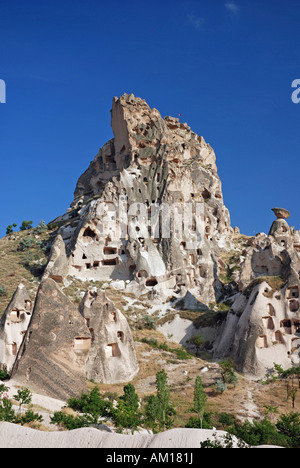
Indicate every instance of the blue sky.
{"type": "Point", "coordinates": [226, 66]}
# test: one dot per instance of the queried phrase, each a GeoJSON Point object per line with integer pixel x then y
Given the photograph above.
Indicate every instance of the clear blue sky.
{"type": "Point", "coordinates": [226, 66]}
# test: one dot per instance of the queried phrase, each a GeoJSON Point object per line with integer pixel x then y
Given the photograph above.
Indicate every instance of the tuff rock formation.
{"type": "Point", "coordinates": [149, 209]}
{"type": "Point", "coordinates": [13, 325]}
{"type": "Point", "coordinates": [54, 351]}
{"type": "Point", "coordinates": [263, 324]}
{"type": "Point", "coordinates": [112, 358]}
{"type": "Point", "coordinates": [149, 212]}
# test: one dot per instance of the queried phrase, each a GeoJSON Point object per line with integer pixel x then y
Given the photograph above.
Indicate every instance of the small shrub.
{"type": "Point", "coordinates": [41, 227]}
{"type": "Point", "coordinates": [25, 244]}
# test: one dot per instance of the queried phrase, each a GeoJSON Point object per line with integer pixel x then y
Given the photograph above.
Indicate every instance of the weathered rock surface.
{"type": "Point", "coordinates": [263, 324]}
{"type": "Point", "coordinates": [12, 436]}
{"type": "Point", "coordinates": [13, 325]}
{"type": "Point", "coordinates": [57, 267]}
{"type": "Point", "coordinates": [127, 219]}
{"type": "Point", "coordinates": [53, 354]}
{"type": "Point", "coordinates": [112, 357]}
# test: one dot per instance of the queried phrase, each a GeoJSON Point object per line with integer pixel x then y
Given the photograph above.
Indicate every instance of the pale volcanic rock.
{"type": "Point", "coordinates": [263, 324]}
{"type": "Point", "coordinates": [112, 357]}
{"type": "Point", "coordinates": [13, 325]}
{"type": "Point", "coordinates": [128, 205]}
{"type": "Point", "coordinates": [53, 355]}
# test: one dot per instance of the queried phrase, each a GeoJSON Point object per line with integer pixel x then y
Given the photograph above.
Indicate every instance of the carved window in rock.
{"type": "Point", "coordinates": [293, 292]}
{"type": "Point", "coordinates": [89, 233]}
{"type": "Point", "coordinates": [142, 274]}
{"type": "Point", "coordinates": [109, 250]}
{"type": "Point", "coordinates": [112, 316]}
{"type": "Point", "coordinates": [268, 323]}
{"type": "Point", "coordinates": [115, 350]}
{"type": "Point", "coordinates": [294, 305]}
{"type": "Point", "coordinates": [262, 342]}
{"type": "Point", "coordinates": [17, 316]}
{"type": "Point", "coordinates": [278, 337]}
{"type": "Point", "coordinates": [202, 271]}
{"type": "Point", "coordinates": [151, 282]}
{"type": "Point", "coordinates": [296, 327]}
{"type": "Point", "coordinates": [270, 310]}
{"type": "Point", "coordinates": [206, 194]}
{"type": "Point", "coordinates": [110, 262]}
{"type": "Point", "coordinates": [82, 344]}
{"type": "Point", "coordinates": [13, 349]}
{"type": "Point", "coordinates": [120, 336]}
{"type": "Point", "coordinates": [287, 325]}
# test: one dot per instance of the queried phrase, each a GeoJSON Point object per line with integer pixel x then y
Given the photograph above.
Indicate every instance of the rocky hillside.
{"type": "Point", "coordinates": [144, 272]}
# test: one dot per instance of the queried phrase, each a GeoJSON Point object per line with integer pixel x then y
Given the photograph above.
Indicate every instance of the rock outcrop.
{"type": "Point", "coordinates": [149, 209]}
{"type": "Point", "coordinates": [263, 324]}
{"type": "Point", "coordinates": [54, 351]}
{"type": "Point", "coordinates": [112, 357]}
{"type": "Point", "coordinates": [13, 326]}
{"type": "Point", "coordinates": [13, 436]}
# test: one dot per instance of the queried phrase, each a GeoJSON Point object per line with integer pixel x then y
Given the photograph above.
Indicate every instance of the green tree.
{"type": "Point", "coordinates": [127, 413]}
{"type": "Point", "coordinates": [165, 409]}
{"type": "Point", "coordinates": [228, 373]}
{"type": "Point", "coordinates": [199, 399]}
{"type": "Point", "coordinates": [41, 227]}
{"type": "Point", "coordinates": [130, 397]}
{"type": "Point", "coordinates": [289, 426]}
{"type": "Point", "coordinates": [26, 225]}
{"type": "Point", "coordinates": [7, 412]}
{"type": "Point", "coordinates": [10, 229]}
{"type": "Point", "coordinates": [92, 405]}
{"type": "Point", "coordinates": [24, 397]}
{"type": "Point", "coordinates": [151, 413]}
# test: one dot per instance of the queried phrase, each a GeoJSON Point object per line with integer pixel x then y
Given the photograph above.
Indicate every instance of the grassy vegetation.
{"type": "Point", "coordinates": [23, 257]}
{"type": "Point", "coordinates": [275, 282]}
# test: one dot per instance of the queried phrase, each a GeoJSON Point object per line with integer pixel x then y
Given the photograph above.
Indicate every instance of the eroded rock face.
{"type": "Point", "coordinates": [57, 267]}
{"type": "Point", "coordinates": [112, 357]}
{"type": "Point", "coordinates": [53, 355]}
{"type": "Point", "coordinates": [263, 325]}
{"type": "Point", "coordinates": [13, 325]}
{"type": "Point", "coordinates": [127, 218]}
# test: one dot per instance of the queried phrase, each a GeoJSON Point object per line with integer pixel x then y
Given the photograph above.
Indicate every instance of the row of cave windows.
{"type": "Point", "coordinates": [83, 344]}
{"type": "Point", "coordinates": [262, 341]}
{"type": "Point", "coordinates": [290, 326]}
{"type": "Point", "coordinates": [293, 306]}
